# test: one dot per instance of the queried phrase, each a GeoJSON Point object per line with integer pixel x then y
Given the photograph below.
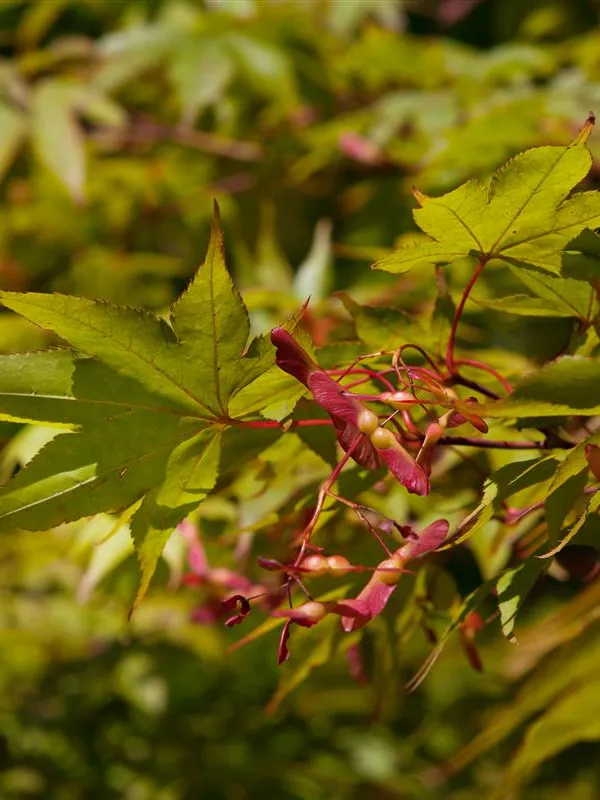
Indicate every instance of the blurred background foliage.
{"type": "Point", "coordinates": [309, 121]}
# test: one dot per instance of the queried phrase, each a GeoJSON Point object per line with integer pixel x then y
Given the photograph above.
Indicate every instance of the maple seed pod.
{"type": "Point", "coordinates": [384, 571]}
{"type": "Point", "coordinates": [316, 564]}
{"type": "Point", "coordinates": [434, 432]}
{"type": "Point", "coordinates": [367, 422]}
{"type": "Point", "coordinates": [339, 565]}
{"type": "Point", "coordinates": [382, 439]}
{"type": "Point", "coordinates": [313, 611]}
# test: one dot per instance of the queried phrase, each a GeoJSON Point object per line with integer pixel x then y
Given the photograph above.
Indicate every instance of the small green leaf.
{"type": "Point", "coordinates": [512, 587]}
{"type": "Point", "coordinates": [57, 137]}
{"type": "Point", "coordinates": [151, 527]}
{"type": "Point", "coordinates": [12, 131]}
{"type": "Point", "coordinates": [191, 473]}
{"type": "Point", "coordinates": [200, 71]}
{"type": "Point", "coordinates": [592, 507]}
{"type": "Point", "coordinates": [566, 293]}
{"type": "Point", "coordinates": [266, 68]}
{"type": "Point", "coordinates": [526, 306]}
{"type": "Point", "coordinates": [574, 463]}
{"type": "Point", "coordinates": [561, 501]}
{"type": "Point", "coordinates": [473, 601]}
{"type": "Point", "coordinates": [522, 214]}
{"type": "Point", "coordinates": [379, 326]}
{"type": "Point", "coordinates": [199, 371]}
{"type": "Point", "coordinates": [191, 470]}
{"type": "Point", "coordinates": [58, 388]}
{"type": "Point", "coordinates": [106, 467]}
{"type": "Point", "coordinates": [581, 261]}
{"type": "Point", "coordinates": [211, 323]}
{"type": "Point", "coordinates": [313, 277]}
{"type": "Point", "coordinates": [273, 386]}
{"type": "Point", "coordinates": [568, 385]}
{"type": "Point", "coordinates": [505, 482]}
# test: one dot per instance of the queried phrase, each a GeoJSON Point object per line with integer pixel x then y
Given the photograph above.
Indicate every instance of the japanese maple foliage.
{"type": "Point", "coordinates": [333, 473]}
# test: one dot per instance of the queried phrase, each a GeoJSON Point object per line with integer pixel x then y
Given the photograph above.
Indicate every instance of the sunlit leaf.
{"type": "Point", "coordinates": [522, 215]}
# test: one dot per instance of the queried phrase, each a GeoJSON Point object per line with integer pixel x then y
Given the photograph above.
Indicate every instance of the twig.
{"type": "Point", "coordinates": [147, 131]}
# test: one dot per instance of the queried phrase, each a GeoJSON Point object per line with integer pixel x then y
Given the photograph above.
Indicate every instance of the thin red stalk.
{"type": "Point", "coordinates": [296, 423]}
{"type": "Point", "coordinates": [408, 420]}
{"type": "Point", "coordinates": [514, 515]}
{"type": "Point", "coordinates": [357, 382]}
{"type": "Point", "coordinates": [356, 508]}
{"type": "Point", "coordinates": [459, 310]}
{"type": "Point", "coordinates": [362, 370]}
{"type": "Point", "coordinates": [367, 378]}
{"type": "Point", "coordinates": [424, 373]}
{"type": "Point", "coordinates": [323, 492]}
{"type": "Point", "coordinates": [421, 350]}
{"type": "Point", "coordinates": [468, 362]}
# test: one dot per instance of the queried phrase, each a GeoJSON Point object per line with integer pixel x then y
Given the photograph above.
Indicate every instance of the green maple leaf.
{"type": "Point", "coordinates": [522, 215]}
{"type": "Point", "coordinates": [192, 362]}
{"type": "Point", "coordinates": [145, 404]}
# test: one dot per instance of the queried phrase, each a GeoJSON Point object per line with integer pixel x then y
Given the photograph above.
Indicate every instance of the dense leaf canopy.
{"type": "Point", "coordinates": [299, 488]}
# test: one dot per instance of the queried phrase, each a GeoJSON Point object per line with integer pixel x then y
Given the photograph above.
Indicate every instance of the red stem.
{"type": "Point", "coordinates": [323, 492]}
{"type": "Point", "coordinates": [469, 362]}
{"type": "Point", "coordinates": [465, 296]}
{"type": "Point", "coordinates": [514, 515]}
{"type": "Point", "coordinates": [296, 423]}
{"type": "Point", "coordinates": [377, 376]}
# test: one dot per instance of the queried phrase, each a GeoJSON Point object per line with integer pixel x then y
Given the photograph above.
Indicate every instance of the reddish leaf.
{"type": "Point", "coordinates": [429, 539]}
{"type": "Point", "coordinates": [370, 602]}
{"type": "Point", "coordinates": [592, 453]}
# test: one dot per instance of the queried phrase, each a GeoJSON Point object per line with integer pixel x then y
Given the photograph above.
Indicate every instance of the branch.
{"type": "Point", "coordinates": [495, 444]}
{"type": "Point", "coordinates": [149, 132]}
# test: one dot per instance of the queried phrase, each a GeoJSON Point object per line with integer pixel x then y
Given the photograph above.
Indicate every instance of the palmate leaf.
{"type": "Point", "coordinates": [106, 467]}
{"type": "Point", "coordinates": [59, 388]}
{"type": "Point", "coordinates": [193, 363]}
{"type": "Point", "coordinates": [526, 306]}
{"type": "Point", "coordinates": [512, 587]}
{"type": "Point", "coordinates": [146, 411]}
{"type": "Point", "coordinates": [522, 215]}
{"type": "Point", "coordinates": [568, 385]}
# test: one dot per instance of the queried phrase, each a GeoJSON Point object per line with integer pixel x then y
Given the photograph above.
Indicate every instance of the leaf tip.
{"type": "Point", "coordinates": [419, 196]}
{"type": "Point", "coordinates": [585, 133]}
{"type": "Point", "coordinates": [216, 228]}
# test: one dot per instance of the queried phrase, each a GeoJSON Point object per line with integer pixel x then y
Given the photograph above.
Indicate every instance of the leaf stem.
{"type": "Point", "coordinates": [267, 423]}
{"type": "Point", "coordinates": [514, 515]}
{"type": "Point", "coordinates": [469, 362]}
{"type": "Point", "coordinates": [323, 492]}
{"type": "Point", "coordinates": [371, 373]}
{"type": "Point", "coordinates": [459, 310]}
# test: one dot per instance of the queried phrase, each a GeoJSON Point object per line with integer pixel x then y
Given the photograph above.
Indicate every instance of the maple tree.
{"type": "Point", "coordinates": [157, 409]}
{"type": "Point", "coordinates": [408, 478]}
